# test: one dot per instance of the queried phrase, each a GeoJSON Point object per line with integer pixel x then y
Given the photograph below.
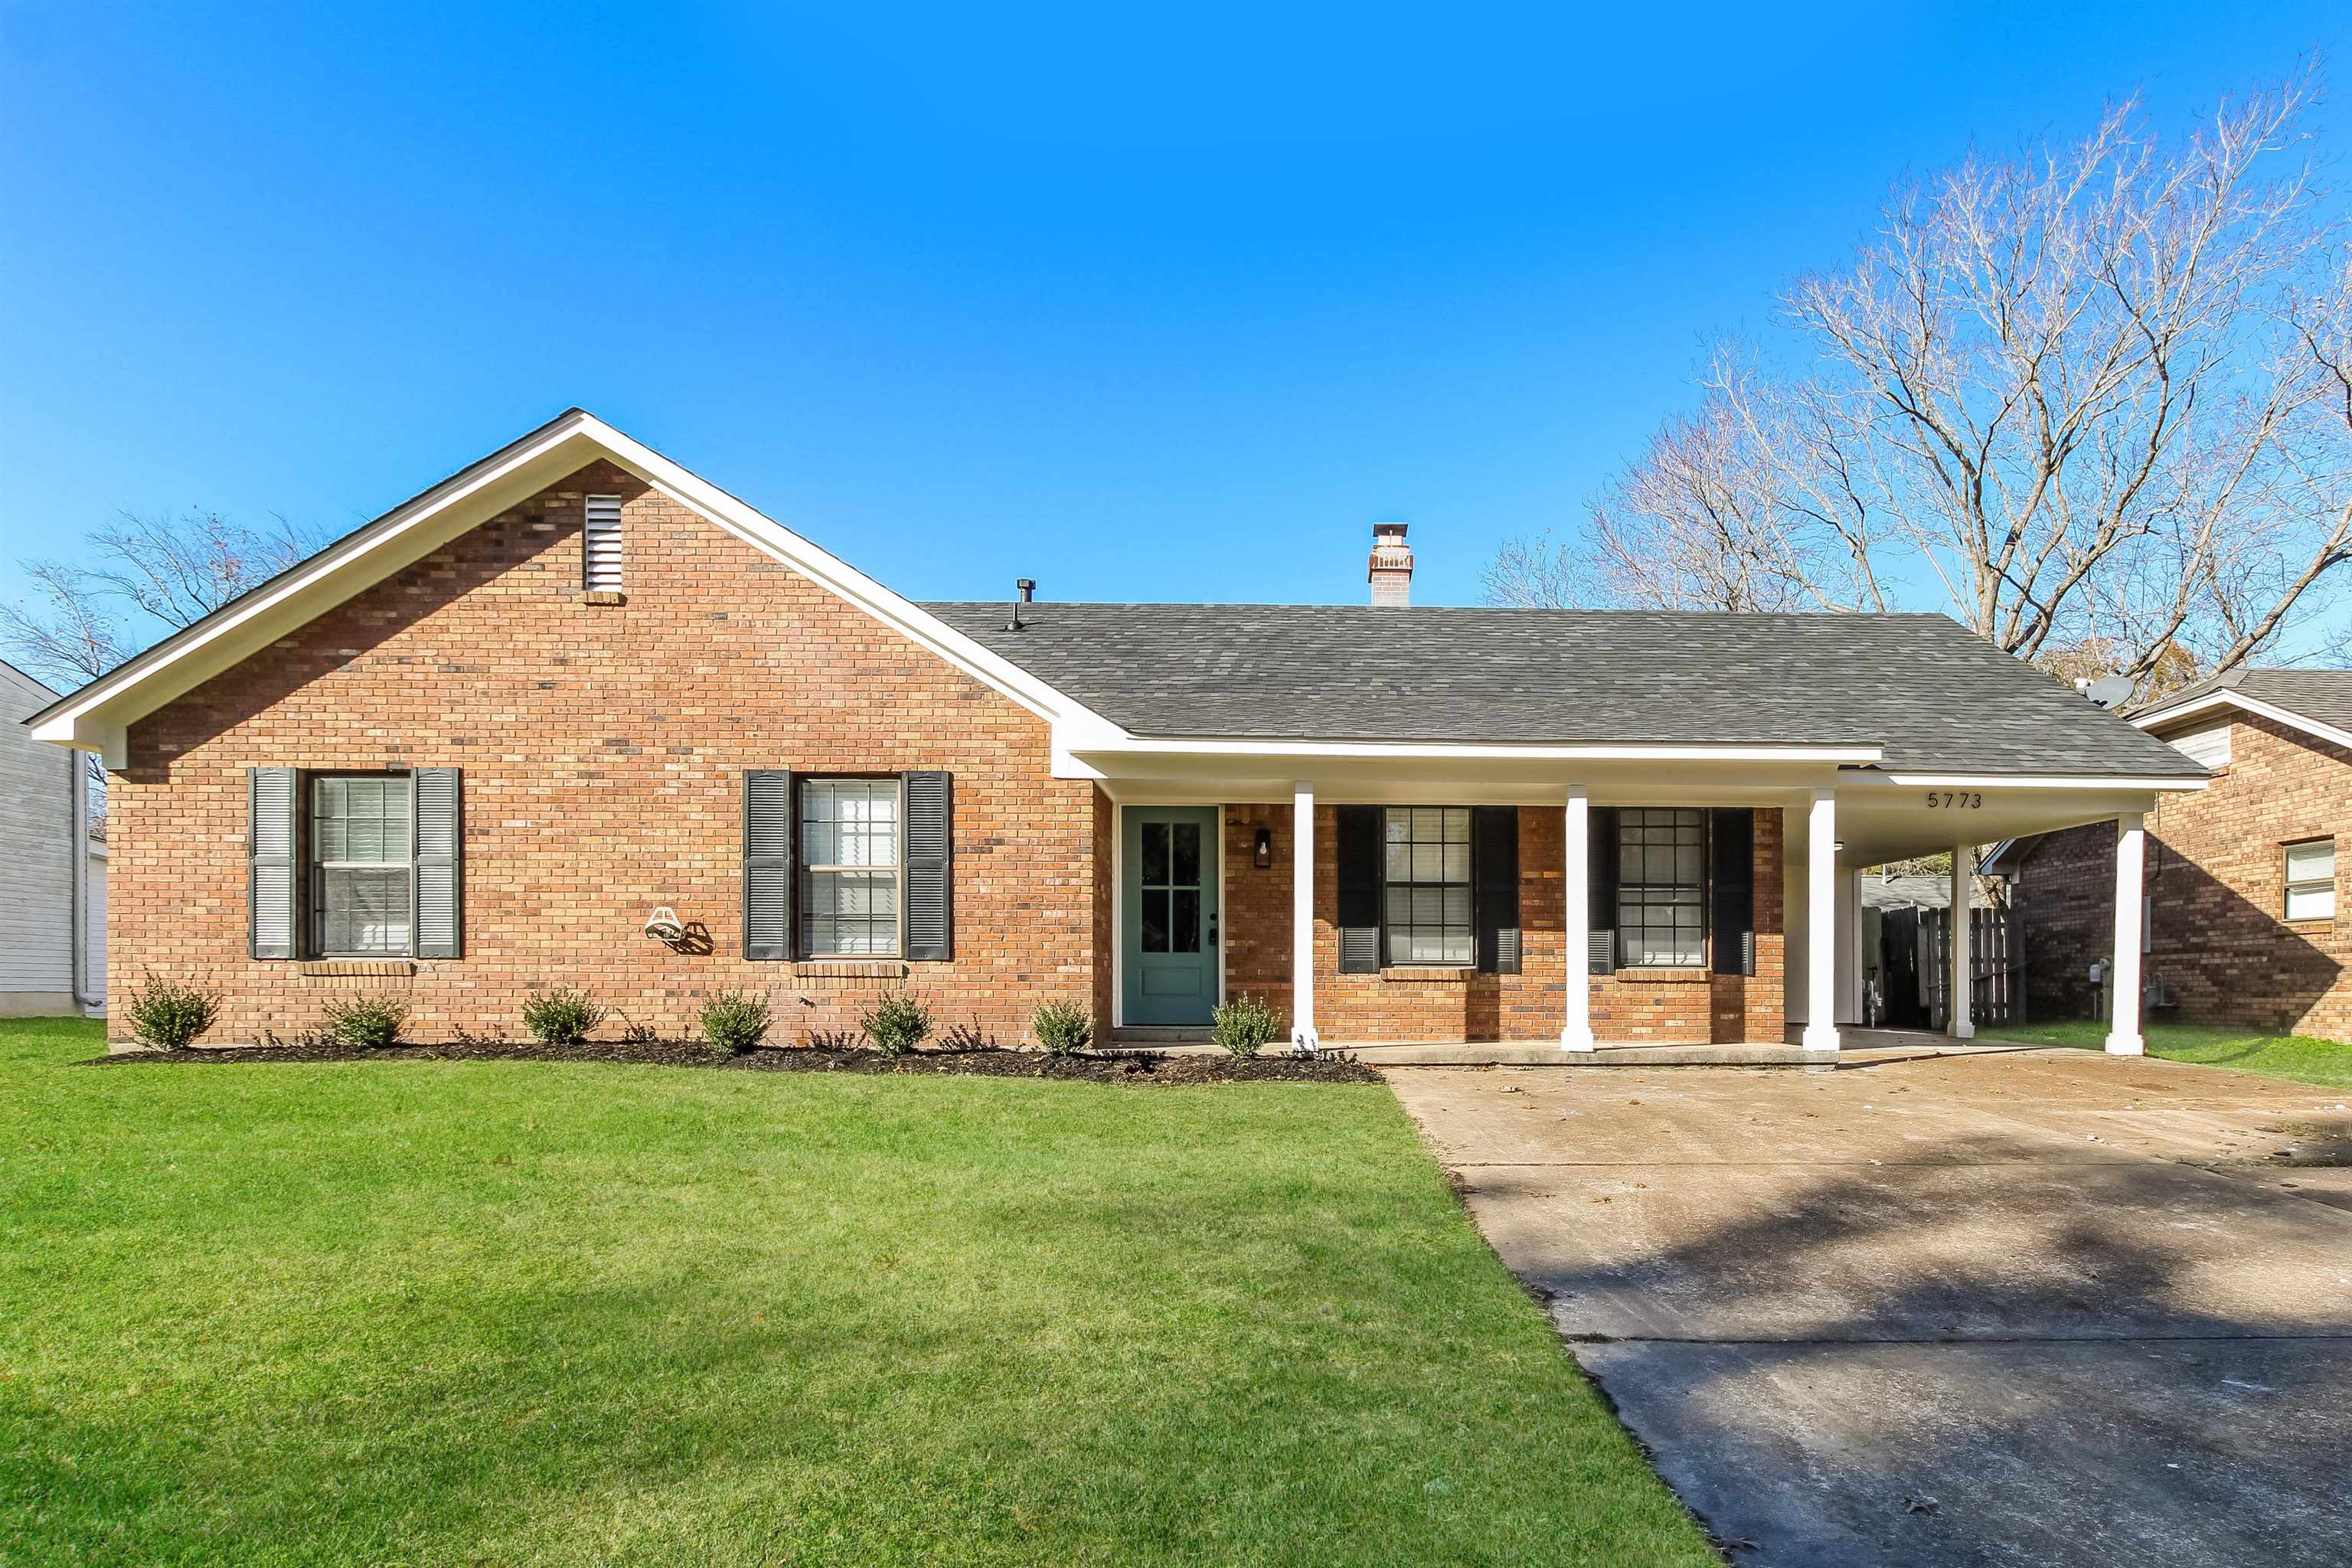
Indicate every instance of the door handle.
{"type": "Point", "coordinates": [1213, 931]}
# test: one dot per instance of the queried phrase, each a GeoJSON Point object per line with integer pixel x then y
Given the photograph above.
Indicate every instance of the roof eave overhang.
{"type": "Point", "coordinates": [2213, 700]}
{"type": "Point", "coordinates": [97, 716]}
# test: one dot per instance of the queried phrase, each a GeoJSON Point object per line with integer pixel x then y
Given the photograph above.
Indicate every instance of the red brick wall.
{"type": "Point", "coordinates": [2215, 877]}
{"type": "Point", "coordinates": [1676, 1005]}
{"type": "Point", "coordinates": [603, 748]}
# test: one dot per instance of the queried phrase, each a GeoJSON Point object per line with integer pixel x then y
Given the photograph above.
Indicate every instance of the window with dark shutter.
{"type": "Point", "coordinates": [768, 871]}
{"type": "Point", "coordinates": [273, 798]}
{"type": "Point", "coordinates": [1494, 873]}
{"type": "Point", "coordinates": [1357, 855]}
{"type": "Point", "coordinates": [929, 866]}
{"type": "Point", "coordinates": [1733, 889]}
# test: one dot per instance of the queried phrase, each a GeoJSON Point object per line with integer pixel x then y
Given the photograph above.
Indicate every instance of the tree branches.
{"type": "Point", "coordinates": [2094, 395]}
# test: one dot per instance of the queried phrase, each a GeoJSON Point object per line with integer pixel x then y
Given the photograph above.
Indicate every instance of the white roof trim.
{"type": "Point", "coordinates": [1219, 746]}
{"type": "Point", "coordinates": [98, 715]}
{"type": "Point", "coordinates": [2030, 781]}
{"type": "Point", "coordinates": [2232, 698]}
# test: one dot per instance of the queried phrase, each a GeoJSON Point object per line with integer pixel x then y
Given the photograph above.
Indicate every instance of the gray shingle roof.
{"type": "Point", "coordinates": [1934, 695]}
{"type": "Point", "coordinates": [2324, 696]}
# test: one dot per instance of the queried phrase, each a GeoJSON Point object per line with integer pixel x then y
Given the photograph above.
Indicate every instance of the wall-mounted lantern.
{"type": "Point", "coordinates": [1262, 855]}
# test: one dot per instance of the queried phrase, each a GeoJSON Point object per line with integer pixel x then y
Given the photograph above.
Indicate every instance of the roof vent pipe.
{"type": "Point", "coordinates": [1025, 589]}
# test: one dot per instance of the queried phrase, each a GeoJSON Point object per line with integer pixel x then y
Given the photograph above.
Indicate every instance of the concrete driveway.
{"type": "Point", "coordinates": [2040, 1307]}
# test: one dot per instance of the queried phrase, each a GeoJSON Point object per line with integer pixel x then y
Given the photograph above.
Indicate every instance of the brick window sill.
{"type": "Point", "coordinates": [604, 597]}
{"type": "Point", "coordinates": [1649, 975]}
{"type": "Point", "coordinates": [1425, 974]}
{"type": "Point", "coordinates": [356, 968]}
{"type": "Point", "coordinates": [849, 969]}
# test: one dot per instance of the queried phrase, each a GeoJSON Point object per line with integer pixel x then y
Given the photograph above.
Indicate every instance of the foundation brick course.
{"type": "Point", "coordinates": [2214, 874]}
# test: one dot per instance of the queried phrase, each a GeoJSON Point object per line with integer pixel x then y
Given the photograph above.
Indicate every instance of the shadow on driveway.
{"type": "Point", "coordinates": [1970, 1310]}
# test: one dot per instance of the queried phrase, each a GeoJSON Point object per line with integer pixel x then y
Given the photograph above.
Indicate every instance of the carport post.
{"type": "Point", "coordinates": [1303, 1036]}
{"type": "Point", "coordinates": [1964, 866]}
{"type": "Point", "coordinates": [1576, 1028]}
{"type": "Point", "coordinates": [1821, 924]}
{"type": "Point", "coordinates": [2131, 848]}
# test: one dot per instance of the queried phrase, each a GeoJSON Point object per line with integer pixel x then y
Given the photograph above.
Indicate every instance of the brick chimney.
{"type": "Point", "coordinates": [1390, 574]}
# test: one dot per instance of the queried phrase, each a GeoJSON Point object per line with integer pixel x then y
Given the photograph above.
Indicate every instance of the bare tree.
{"type": "Point", "coordinates": [2095, 393]}
{"type": "Point", "coordinates": [145, 578]}
{"type": "Point", "coordinates": [141, 578]}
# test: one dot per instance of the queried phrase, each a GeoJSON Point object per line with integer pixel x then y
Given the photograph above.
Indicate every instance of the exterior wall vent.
{"type": "Point", "coordinates": [601, 546]}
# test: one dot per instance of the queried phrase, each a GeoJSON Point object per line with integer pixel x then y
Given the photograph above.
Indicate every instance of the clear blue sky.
{"type": "Point", "coordinates": [1167, 302]}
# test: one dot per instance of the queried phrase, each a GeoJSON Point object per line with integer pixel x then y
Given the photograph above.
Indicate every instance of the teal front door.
{"type": "Point", "coordinates": [1167, 896]}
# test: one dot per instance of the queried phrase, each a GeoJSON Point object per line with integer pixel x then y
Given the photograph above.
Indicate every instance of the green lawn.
{"type": "Point", "coordinates": [2300, 1057]}
{"type": "Point", "coordinates": [494, 1313]}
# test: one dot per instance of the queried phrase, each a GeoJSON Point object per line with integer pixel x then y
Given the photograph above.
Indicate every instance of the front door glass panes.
{"type": "Point", "coordinates": [1171, 886]}
{"type": "Point", "coordinates": [359, 864]}
{"type": "Point", "coordinates": [1428, 897]}
{"type": "Point", "coordinates": [1660, 886]}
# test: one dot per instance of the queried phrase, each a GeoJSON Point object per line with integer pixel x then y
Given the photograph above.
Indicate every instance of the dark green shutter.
{"type": "Point", "coordinates": [768, 868]}
{"type": "Point", "coordinates": [1600, 877]}
{"type": "Point", "coordinates": [273, 803]}
{"type": "Point", "coordinates": [1494, 891]}
{"type": "Point", "coordinates": [1356, 849]}
{"type": "Point", "coordinates": [930, 857]}
{"type": "Point", "coordinates": [1733, 903]}
{"type": "Point", "coordinates": [436, 798]}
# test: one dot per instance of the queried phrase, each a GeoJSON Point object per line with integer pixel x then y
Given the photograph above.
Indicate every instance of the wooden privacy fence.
{"type": "Point", "coordinates": [1996, 974]}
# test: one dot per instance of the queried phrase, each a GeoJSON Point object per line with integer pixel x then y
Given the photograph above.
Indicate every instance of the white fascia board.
{"type": "Point", "coordinates": [96, 717]}
{"type": "Point", "coordinates": [1111, 740]}
{"type": "Point", "coordinates": [2232, 699]}
{"type": "Point", "coordinates": [2020, 781]}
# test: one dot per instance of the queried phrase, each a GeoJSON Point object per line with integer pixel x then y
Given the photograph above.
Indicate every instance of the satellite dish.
{"type": "Point", "coordinates": [2109, 690]}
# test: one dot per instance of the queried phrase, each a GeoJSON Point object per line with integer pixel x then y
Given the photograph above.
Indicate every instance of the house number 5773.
{"type": "Point", "coordinates": [1954, 800]}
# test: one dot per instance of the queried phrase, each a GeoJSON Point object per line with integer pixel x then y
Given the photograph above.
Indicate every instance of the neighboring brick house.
{"type": "Point", "coordinates": [476, 746]}
{"type": "Point", "coordinates": [2249, 919]}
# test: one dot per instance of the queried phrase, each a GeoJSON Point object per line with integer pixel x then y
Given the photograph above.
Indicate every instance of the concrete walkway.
{"type": "Point", "coordinates": [2024, 1307]}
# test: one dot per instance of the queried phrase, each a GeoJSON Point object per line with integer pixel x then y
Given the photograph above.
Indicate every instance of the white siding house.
{"type": "Point", "coordinates": [44, 865]}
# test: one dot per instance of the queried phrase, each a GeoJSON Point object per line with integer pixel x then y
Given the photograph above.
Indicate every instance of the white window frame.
{"type": "Point", "coordinates": [314, 916]}
{"type": "Point", "coordinates": [1391, 926]}
{"type": "Point", "coordinates": [2306, 886]}
{"type": "Point", "coordinates": [810, 869]}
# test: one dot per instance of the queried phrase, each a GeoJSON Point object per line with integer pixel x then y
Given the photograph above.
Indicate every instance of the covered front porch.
{"type": "Point", "coordinates": [1511, 903]}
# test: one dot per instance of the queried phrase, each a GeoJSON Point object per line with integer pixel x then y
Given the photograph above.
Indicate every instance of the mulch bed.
{"type": "Point", "coordinates": [1140, 1066]}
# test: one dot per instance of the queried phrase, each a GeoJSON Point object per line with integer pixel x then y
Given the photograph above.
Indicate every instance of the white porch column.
{"type": "Point", "coordinates": [2131, 850]}
{"type": "Point", "coordinates": [1962, 1026]}
{"type": "Point", "coordinates": [1576, 925]}
{"type": "Point", "coordinates": [1303, 1036]}
{"type": "Point", "coordinates": [1821, 924]}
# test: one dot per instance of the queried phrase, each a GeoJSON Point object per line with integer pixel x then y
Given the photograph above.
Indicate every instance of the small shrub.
{"type": "Point", "coordinates": [831, 1040]}
{"type": "Point", "coordinates": [1064, 1028]}
{"type": "Point", "coordinates": [368, 1023]}
{"type": "Point", "coordinates": [897, 1022]}
{"type": "Point", "coordinates": [968, 1038]}
{"type": "Point", "coordinates": [562, 1017]}
{"type": "Point", "coordinates": [168, 1016]}
{"type": "Point", "coordinates": [1245, 1024]}
{"type": "Point", "coordinates": [734, 1022]}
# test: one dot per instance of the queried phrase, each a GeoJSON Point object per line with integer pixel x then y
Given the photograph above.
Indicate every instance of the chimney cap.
{"type": "Point", "coordinates": [1396, 528]}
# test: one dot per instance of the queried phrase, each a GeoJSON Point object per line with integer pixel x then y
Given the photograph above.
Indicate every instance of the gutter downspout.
{"type": "Point", "coordinates": [78, 781]}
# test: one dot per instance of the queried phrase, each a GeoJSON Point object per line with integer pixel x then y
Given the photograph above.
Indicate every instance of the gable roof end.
{"type": "Point", "coordinates": [2315, 701]}
{"type": "Point", "coordinates": [97, 716]}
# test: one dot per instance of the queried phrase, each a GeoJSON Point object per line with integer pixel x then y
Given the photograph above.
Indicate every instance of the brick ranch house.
{"type": "Point", "coordinates": [2246, 918]}
{"type": "Point", "coordinates": [471, 748]}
